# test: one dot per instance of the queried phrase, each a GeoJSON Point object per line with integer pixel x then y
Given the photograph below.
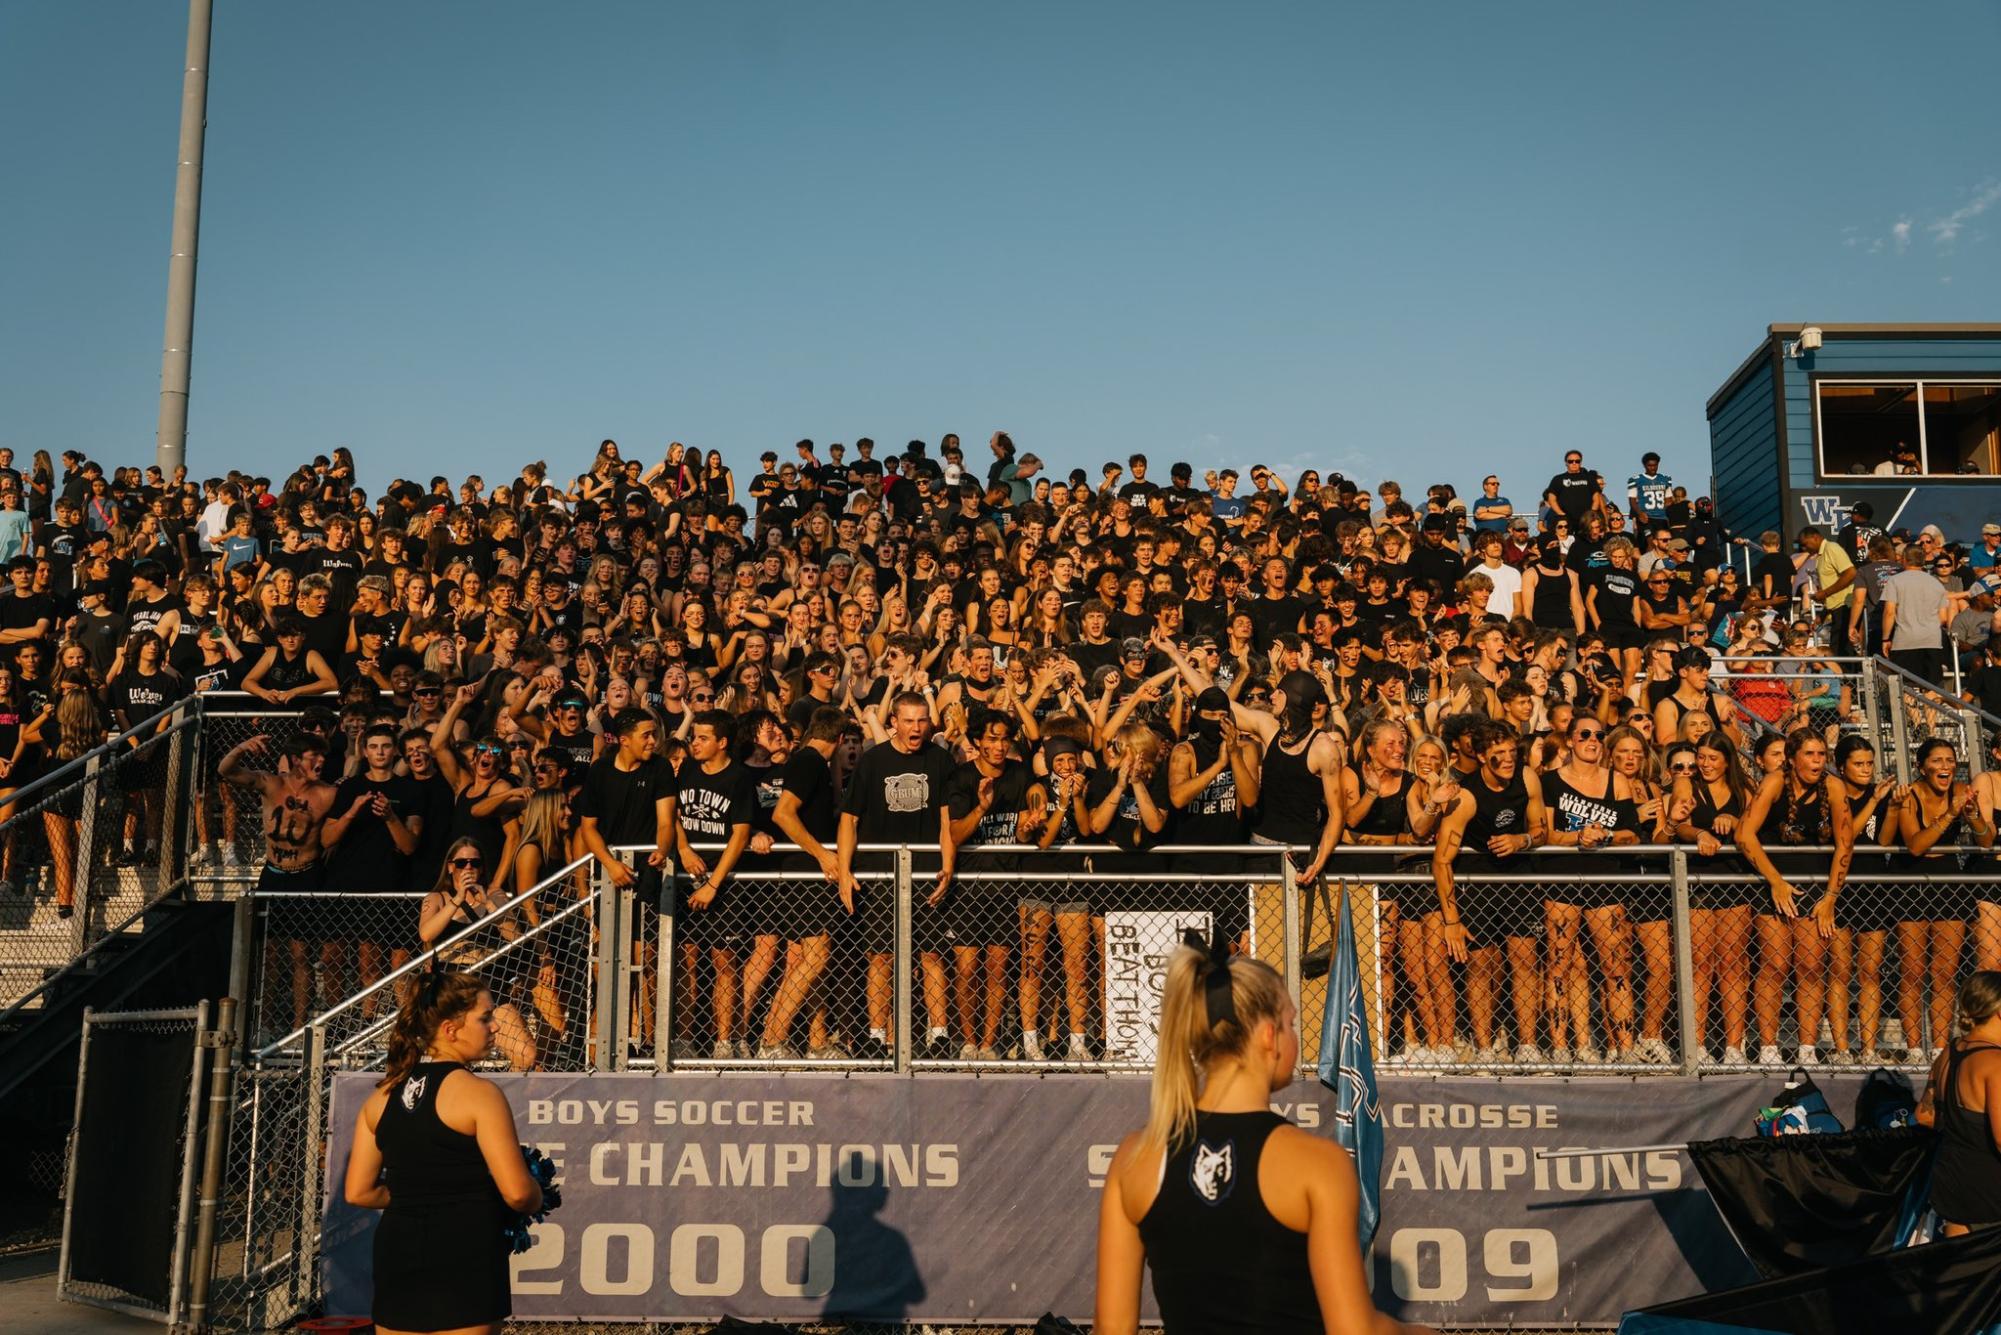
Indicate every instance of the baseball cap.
{"type": "Point", "coordinates": [1990, 530]}
{"type": "Point", "coordinates": [1133, 647]}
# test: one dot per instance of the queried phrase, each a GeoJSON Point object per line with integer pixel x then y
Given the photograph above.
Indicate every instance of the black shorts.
{"type": "Point", "coordinates": [294, 918]}
{"type": "Point", "coordinates": [1625, 637]}
{"type": "Point", "coordinates": [1495, 912]}
{"type": "Point", "coordinates": [1944, 896]}
{"type": "Point", "coordinates": [982, 913]}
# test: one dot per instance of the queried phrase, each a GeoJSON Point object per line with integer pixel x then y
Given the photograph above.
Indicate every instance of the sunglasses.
{"type": "Point", "coordinates": [1682, 767]}
{"type": "Point", "coordinates": [489, 749]}
{"type": "Point", "coordinates": [702, 697]}
{"type": "Point", "coordinates": [427, 692]}
{"type": "Point", "coordinates": [468, 864]}
{"type": "Point", "coordinates": [1586, 734]}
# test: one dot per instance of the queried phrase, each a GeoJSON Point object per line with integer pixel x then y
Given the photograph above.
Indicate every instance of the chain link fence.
{"type": "Point", "coordinates": [87, 847]}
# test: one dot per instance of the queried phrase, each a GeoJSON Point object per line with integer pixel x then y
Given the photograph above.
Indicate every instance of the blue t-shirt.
{"type": "Point", "coordinates": [1491, 525]}
{"type": "Point", "coordinates": [1227, 507]}
{"type": "Point", "coordinates": [238, 551]}
{"type": "Point", "coordinates": [15, 529]}
{"type": "Point", "coordinates": [1981, 559]}
{"type": "Point", "coordinates": [1652, 491]}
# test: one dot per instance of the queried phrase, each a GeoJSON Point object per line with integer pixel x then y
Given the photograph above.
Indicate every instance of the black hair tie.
{"type": "Point", "coordinates": [1218, 998]}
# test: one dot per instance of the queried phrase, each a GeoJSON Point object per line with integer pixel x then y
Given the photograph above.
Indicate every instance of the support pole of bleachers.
{"type": "Point", "coordinates": [1289, 893]}
{"type": "Point", "coordinates": [312, 1167]}
{"type": "Point", "coordinates": [905, 962]}
{"type": "Point", "coordinates": [1684, 964]}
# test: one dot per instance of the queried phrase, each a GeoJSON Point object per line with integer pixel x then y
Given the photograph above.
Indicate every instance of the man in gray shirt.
{"type": "Point", "coordinates": [1914, 616]}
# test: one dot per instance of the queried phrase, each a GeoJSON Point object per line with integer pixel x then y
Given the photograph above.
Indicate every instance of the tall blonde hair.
{"type": "Point", "coordinates": [1189, 1042]}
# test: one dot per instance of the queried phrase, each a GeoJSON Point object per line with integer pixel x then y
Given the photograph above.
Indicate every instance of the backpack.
{"type": "Point", "coordinates": [1799, 1109]}
{"type": "Point", "coordinates": [1885, 1102]}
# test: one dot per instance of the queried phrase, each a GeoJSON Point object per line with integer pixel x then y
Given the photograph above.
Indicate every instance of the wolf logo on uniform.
{"type": "Point", "coordinates": [412, 1091]}
{"type": "Point", "coordinates": [1213, 1170]}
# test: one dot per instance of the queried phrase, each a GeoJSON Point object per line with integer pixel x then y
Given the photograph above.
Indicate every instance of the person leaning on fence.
{"type": "Point", "coordinates": [1497, 816]}
{"type": "Point", "coordinates": [807, 814]}
{"type": "Point", "coordinates": [1938, 814]}
{"type": "Point", "coordinates": [1247, 1223]}
{"type": "Point", "coordinates": [1866, 911]}
{"type": "Point", "coordinates": [1800, 805]}
{"type": "Point", "coordinates": [715, 803]}
{"type": "Point", "coordinates": [70, 727]}
{"type": "Point", "coordinates": [1987, 904]}
{"type": "Point", "coordinates": [1592, 810]}
{"type": "Point", "coordinates": [435, 1150]}
{"type": "Point", "coordinates": [627, 800]}
{"type": "Point", "coordinates": [1962, 1102]}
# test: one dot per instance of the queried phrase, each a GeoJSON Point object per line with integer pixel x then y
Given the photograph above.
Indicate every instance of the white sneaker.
{"type": "Point", "coordinates": [776, 1052]}
{"type": "Point", "coordinates": [1653, 1052]}
{"type": "Point", "coordinates": [1078, 1051]}
{"type": "Point", "coordinates": [723, 1051]}
{"type": "Point", "coordinates": [1733, 1056]}
{"type": "Point", "coordinates": [832, 1052]}
{"type": "Point", "coordinates": [1893, 1036]}
{"type": "Point", "coordinates": [1869, 1057]}
{"type": "Point", "coordinates": [1590, 1056]}
{"type": "Point", "coordinates": [1526, 1054]}
{"type": "Point", "coordinates": [986, 1055]}
{"type": "Point", "coordinates": [1031, 1048]}
{"type": "Point", "coordinates": [969, 1052]}
{"type": "Point", "coordinates": [231, 859]}
{"type": "Point", "coordinates": [1560, 1055]}
{"type": "Point", "coordinates": [1808, 1056]}
{"type": "Point", "coordinates": [1915, 1057]}
{"type": "Point", "coordinates": [1769, 1056]}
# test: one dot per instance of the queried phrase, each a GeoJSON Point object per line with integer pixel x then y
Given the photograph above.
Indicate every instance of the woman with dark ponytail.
{"type": "Point", "coordinates": [1248, 1223]}
{"type": "Point", "coordinates": [435, 1151]}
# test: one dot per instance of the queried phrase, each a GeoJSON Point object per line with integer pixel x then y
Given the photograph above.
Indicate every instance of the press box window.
{"type": "Point", "coordinates": [1936, 428]}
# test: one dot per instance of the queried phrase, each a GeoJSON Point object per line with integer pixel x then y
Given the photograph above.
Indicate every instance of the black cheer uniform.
{"type": "Point", "coordinates": [440, 1260]}
{"type": "Point", "coordinates": [1222, 1265]}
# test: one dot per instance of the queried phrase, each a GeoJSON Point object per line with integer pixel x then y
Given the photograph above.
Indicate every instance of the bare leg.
{"type": "Point", "coordinates": [725, 993]}
{"type": "Point", "coordinates": [1073, 932]}
{"type": "Point", "coordinates": [1525, 973]}
{"type": "Point", "coordinates": [1560, 924]}
{"type": "Point", "coordinates": [1913, 965]}
{"type": "Point", "coordinates": [1840, 974]}
{"type": "Point", "coordinates": [1657, 950]}
{"type": "Point", "coordinates": [1733, 975]}
{"type": "Point", "coordinates": [1987, 936]}
{"type": "Point", "coordinates": [1035, 925]}
{"type": "Point", "coordinates": [1869, 948]}
{"type": "Point", "coordinates": [1948, 941]}
{"type": "Point", "coordinates": [932, 966]}
{"type": "Point", "coordinates": [1809, 977]}
{"type": "Point", "coordinates": [763, 955]}
{"type": "Point", "coordinates": [1483, 973]}
{"type": "Point", "coordinates": [1775, 958]}
{"type": "Point", "coordinates": [802, 975]}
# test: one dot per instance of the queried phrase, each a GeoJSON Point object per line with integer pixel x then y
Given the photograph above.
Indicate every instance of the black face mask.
{"type": "Point", "coordinates": [1208, 729]}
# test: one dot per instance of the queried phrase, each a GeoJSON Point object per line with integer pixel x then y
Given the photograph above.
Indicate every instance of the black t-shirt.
{"type": "Point", "coordinates": [366, 858]}
{"type": "Point", "coordinates": [1984, 685]}
{"type": "Point", "coordinates": [1127, 830]}
{"type": "Point", "coordinates": [327, 633]}
{"type": "Point", "coordinates": [1443, 565]}
{"type": "Point", "coordinates": [22, 613]}
{"type": "Point", "coordinates": [1616, 590]}
{"type": "Point", "coordinates": [1001, 824]}
{"type": "Point", "coordinates": [712, 804]}
{"type": "Point", "coordinates": [431, 799]}
{"type": "Point", "coordinates": [343, 568]}
{"type": "Point", "coordinates": [1274, 616]}
{"type": "Point", "coordinates": [1573, 491]}
{"type": "Point", "coordinates": [809, 778]}
{"type": "Point", "coordinates": [63, 542]}
{"type": "Point", "coordinates": [140, 697]}
{"type": "Point", "coordinates": [622, 802]}
{"type": "Point", "coordinates": [896, 797]}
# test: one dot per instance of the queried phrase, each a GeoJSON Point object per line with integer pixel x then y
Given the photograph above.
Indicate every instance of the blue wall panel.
{"type": "Point", "coordinates": [1742, 445]}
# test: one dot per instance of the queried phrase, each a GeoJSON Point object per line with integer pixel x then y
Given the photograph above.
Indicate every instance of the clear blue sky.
{"type": "Point", "coordinates": [1413, 240]}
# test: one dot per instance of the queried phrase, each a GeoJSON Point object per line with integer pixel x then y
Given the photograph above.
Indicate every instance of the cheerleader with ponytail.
{"type": "Point", "coordinates": [435, 1151]}
{"type": "Point", "coordinates": [1248, 1222]}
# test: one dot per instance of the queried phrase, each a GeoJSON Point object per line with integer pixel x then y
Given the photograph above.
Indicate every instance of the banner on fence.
{"type": "Point", "coordinates": [1138, 944]}
{"type": "Point", "coordinates": [958, 1198]}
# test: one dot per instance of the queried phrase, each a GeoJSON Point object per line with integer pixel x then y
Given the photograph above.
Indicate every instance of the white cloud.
{"type": "Point", "coordinates": [1946, 230]}
{"type": "Point", "coordinates": [1901, 233]}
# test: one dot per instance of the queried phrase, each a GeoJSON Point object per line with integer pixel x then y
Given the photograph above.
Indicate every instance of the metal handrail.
{"type": "Point", "coordinates": [29, 793]}
{"type": "Point", "coordinates": [424, 959]}
{"type": "Point", "coordinates": [382, 1022]}
{"type": "Point", "coordinates": [1951, 703]}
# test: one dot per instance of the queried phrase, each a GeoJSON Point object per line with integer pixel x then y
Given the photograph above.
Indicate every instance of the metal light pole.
{"type": "Point", "coordinates": [174, 360]}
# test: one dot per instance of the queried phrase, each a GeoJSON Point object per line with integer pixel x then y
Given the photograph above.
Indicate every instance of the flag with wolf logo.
{"type": "Point", "coordinates": [1347, 1069]}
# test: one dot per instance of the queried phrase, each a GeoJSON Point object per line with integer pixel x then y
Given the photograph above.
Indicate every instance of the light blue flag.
{"type": "Point", "coordinates": [1347, 1068]}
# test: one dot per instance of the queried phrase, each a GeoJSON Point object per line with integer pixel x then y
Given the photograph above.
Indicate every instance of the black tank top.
{"type": "Point", "coordinates": [1222, 1265]}
{"type": "Point", "coordinates": [1291, 807]}
{"type": "Point", "coordinates": [1949, 837]}
{"type": "Point", "coordinates": [1966, 1179]}
{"type": "Point", "coordinates": [1572, 808]}
{"type": "Point", "coordinates": [284, 674]}
{"type": "Point", "coordinates": [1503, 812]}
{"type": "Point", "coordinates": [1387, 816]}
{"type": "Point", "coordinates": [1704, 817]}
{"type": "Point", "coordinates": [425, 1162]}
{"type": "Point", "coordinates": [1708, 706]}
{"type": "Point", "coordinates": [1802, 820]}
{"type": "Point", "coordinates": [1550, 607]}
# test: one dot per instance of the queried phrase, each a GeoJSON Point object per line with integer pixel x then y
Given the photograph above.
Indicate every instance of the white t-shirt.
{"type": "Point", "coordinates": [1507, 583]}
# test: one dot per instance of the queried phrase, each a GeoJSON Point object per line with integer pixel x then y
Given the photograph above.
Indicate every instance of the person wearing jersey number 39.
{"type": "Point", "coordinates": [1248, 1223]}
